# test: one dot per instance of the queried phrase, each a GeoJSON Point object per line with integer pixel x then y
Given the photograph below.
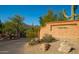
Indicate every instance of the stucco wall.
{"type": "Point", "coordinates": [63, 29]}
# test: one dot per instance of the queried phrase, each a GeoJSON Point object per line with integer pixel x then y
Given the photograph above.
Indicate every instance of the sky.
{"type": "Point", "coordinates": [31, 13]}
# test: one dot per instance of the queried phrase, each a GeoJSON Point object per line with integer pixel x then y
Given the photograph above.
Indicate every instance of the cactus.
{"type": "Point", "coordinates": [73, 9]}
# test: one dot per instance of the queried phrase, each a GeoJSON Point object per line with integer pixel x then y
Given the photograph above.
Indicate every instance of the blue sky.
{"type": "Point", "coordinates": [31, 13]}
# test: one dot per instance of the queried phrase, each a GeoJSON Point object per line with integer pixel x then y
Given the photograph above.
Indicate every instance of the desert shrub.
{"type": "Point", "coordinates": [34, 42]}
{"type": "Point", "coordinates": [48, 38]}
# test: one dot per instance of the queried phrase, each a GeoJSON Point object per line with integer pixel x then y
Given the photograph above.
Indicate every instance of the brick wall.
{"type": "Point", "coordinates": [61, 29]}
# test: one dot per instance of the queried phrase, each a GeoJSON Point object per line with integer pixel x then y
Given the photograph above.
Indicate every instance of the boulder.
{"type": "Point", "coordinates": [65, 47]}
{"type": "Point", "coordinates": [45, 46]}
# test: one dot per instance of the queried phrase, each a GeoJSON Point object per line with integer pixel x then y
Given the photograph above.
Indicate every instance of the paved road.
{"type": "Point", "coordinates": [13, 46]}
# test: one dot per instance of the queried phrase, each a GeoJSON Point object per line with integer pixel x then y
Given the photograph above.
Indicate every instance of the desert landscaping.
{"type": "Point", "coordinates": [57, 33]}
{"type": "Point", "coordinates": [22, 47]}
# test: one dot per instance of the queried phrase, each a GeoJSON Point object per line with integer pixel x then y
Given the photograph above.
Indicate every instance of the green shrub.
{"type": "Point", "coordinates": [48, 38]}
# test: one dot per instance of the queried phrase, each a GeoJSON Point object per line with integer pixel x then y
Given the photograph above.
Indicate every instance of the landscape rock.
{"type": "Point", "coordinates": [65, 47]}
{"type": "Point", "coordinates": [37, 40]}
{"type": "Point", "coordinates": [28, 44]}
{"type": "Point", "coordinates": [45, 46]}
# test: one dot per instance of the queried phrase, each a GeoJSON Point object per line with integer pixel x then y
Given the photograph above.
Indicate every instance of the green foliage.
{"type": "Point", "coordinates": [32, 32]}
{"type": "Point", "coordinates": [17, 22]}
{"type": "Point", "coordinates": [42, 23]}
{"type": "Point", "coordinates": [48, 38]}
{"type": "Point", "coordinates": [14, 25]}
{"type": "Point", "coordinates": [0, 26]}
{"type": "Point", "coordinates": [77, 17]}
{"type": "Point", "coordinates": [47, 18]}
{"type": "Point", "coordinates": [51, 17]}
{"type": "Point", "coordinates": [61, 16]}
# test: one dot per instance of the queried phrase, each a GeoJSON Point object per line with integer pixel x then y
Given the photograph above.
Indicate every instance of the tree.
{"type": "Point", "coordinates": [0, 29]}
{"type": "Point", "coordinates": [0, 26]}
{"type": "Point", "coordinates": [33, 31]}
{"type": "Point", "coordinates": [61, 16]}
{"type": "Point", "coordinates": [15, 26]}
{"type": "Point", "coordinates": [78, 17]}
{"type": "Point", "coordinates": [42, 23]}
{"type": "Point", "coordinates": [17, 22]}
{"type": "Point", "coordinates": [47, 18]}
{"type": "Point", "coordinates": [51, 17]}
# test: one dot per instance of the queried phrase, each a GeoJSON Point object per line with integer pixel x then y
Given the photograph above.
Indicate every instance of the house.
{"type": "Point", "coordinates": [61, 29]}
